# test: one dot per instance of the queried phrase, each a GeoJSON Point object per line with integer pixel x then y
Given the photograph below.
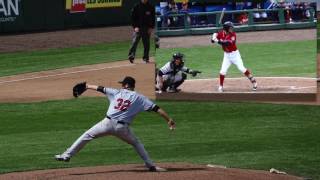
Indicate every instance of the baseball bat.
{"type": "Point", "coordinates": [221, 16]}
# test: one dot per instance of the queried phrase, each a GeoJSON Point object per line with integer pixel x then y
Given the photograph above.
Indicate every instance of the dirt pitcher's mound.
{"type": "Point", "coordinates": [176, 171]}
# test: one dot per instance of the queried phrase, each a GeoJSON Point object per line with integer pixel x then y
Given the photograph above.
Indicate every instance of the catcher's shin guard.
{"type": "Point", "coordinates": [178, 83]}
{"type": "Point", "coordinates": [165, 86]}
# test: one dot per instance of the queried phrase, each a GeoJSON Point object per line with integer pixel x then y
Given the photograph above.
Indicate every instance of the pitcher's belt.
{"type": "Point", "coordinates": [120, 122]}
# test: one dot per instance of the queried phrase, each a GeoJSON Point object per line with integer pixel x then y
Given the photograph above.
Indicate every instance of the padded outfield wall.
{"type": "Point", "coordinates": [45, 15]}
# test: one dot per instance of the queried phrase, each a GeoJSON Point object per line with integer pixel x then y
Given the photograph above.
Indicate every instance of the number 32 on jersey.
{"type": "Point", "coordinates": [123, 105]}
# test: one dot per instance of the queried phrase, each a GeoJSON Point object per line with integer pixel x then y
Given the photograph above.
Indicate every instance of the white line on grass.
{"type": "Point", "coordinates": [257, 78]}
{"type": "Point", "coordinates": [66, 73]}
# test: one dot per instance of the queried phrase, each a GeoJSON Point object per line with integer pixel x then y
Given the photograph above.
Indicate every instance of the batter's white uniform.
{"type": "Point", "coordinates": [229, 58]}
{"type": "Point", "coordinates": [124, 106]}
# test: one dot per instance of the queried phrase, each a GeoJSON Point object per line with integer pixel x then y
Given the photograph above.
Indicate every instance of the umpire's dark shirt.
{"type": "Point", "coordinates": [143, 15]}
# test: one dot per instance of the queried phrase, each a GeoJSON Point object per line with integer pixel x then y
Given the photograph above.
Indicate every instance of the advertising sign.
{"type": "Point", "coordinates": [9, 10]}
{"type": "Point", "coordinates": [78, 6]}
{"type": "Point", "coordinates": [81, 5]}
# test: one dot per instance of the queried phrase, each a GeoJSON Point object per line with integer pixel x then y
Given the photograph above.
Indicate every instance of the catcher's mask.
{"type": "Point", "coordinates": [176, 56]}
{"type": "Point", "coordinates": [227, 25]}
{"type": "Point", "coordinates": [130, 81]}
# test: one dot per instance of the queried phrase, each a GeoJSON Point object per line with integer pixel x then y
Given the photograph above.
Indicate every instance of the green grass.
{"type": "Point", "coordinates": [318, 36]}
{"type": "Point", "coordinates": [23, 62]}
{"type": "Point", "coordinates": [264, 59]}
{"type": "Point", "coordinates": [318, 28]}
{"type": "Point", "coordinates": [240, 135]}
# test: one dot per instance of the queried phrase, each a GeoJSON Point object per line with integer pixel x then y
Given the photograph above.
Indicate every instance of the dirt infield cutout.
{"type": "Point", "coordinates": [57, 84]}
{"type": "Point", "coordinates": [242, 85]}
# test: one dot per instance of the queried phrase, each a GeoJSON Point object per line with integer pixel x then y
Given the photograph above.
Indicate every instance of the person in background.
{"type": "Point", "coordinates": [173, 9]}
{"type": "Point", "coordinates": [164, 9]}
{"type": "Point", "coordinates": [184, 10]}
{"type": "Point", "coordinates": [143, 23]}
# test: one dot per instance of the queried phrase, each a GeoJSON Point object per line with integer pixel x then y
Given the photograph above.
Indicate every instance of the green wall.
{"type": "Point", "coordinates": [46, 15]}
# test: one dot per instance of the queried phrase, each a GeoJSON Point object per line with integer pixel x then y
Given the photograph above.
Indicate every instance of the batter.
{"type": "Point", "coordinates": [125, 104]}
{"type": "Point", "coordinates": [227, 39]}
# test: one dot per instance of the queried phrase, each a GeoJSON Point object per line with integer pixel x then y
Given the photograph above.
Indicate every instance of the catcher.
{"type": "Point", "coordinates": [125, 104]}
{"type": "Point", "coordinates": [227, 39]}
{"type": "Point", "coordinates": [173, 74]}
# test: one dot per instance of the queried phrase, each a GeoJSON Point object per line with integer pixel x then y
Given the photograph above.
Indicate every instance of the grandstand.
{"type": "Point", "coordinates": [197, 17]}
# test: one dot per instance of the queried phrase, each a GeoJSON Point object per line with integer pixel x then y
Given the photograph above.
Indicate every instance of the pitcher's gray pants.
{"type": "Point", "coordinates": [110, 127]}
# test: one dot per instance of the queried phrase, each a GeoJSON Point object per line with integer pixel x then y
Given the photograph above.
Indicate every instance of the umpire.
{"type": "Point", "coordinates": [143, 22]}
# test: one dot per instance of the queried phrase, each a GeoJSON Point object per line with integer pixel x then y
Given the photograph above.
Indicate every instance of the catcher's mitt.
{"type": "Point", "coordinates": [194, 73]}
{"type": "Point", "coordinates": [79, 88]}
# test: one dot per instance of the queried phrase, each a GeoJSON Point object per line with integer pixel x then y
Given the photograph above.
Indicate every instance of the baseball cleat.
{"type": "Point", "coordinates": [255, 86]}
{"type": "Point", "coordinates": [173, 90]}
{"type": "Point", "coordinates": [146, 60]}
{"type": "Point", "coordinates": [62, 157]}
{"type": "Point", "coordinates": [131, 59]}
{"type": "Point", "coordinates": [157, 169]}
{"type": "Point", "coordinates": [220, 89]}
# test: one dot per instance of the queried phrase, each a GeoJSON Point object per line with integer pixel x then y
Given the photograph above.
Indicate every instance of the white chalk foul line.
{"type": "Point", "coordinates": [307, 78]}
{"type": "Point", "coordinates": [307, 87]}
{"type": "Point", "coordinates": [66, 73]}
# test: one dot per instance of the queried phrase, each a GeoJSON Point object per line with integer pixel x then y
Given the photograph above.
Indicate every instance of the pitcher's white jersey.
{"type": "Point", "coordinates": [125, 104]}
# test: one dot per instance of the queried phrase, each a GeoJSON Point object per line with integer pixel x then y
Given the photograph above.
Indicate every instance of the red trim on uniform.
{"type": "Point", "coordinates": [247, 73]}
{"type": "Point", "coordinates": [221, 79]}
{"type": "Point", "coordinates": [231, 37]}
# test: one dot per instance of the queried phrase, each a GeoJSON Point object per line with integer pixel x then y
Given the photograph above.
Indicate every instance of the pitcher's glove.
{"type": "Point", "coordinates": [194, 72]}
{"type": "Point", "coordinates": [79, 88]}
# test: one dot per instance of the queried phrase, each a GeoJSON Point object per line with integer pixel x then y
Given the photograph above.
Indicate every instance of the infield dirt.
{"type": "Point", "coordinates": [58, 84]}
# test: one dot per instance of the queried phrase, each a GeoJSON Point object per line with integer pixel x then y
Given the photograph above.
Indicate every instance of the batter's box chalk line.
{"type": "Point", "coordinates": [275, 171]}
{"type": "Point", "coordinates": [216, 166]}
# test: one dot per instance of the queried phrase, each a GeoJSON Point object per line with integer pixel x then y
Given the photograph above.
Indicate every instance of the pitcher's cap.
{"type": "Point", "coordinates": [128, 80]}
